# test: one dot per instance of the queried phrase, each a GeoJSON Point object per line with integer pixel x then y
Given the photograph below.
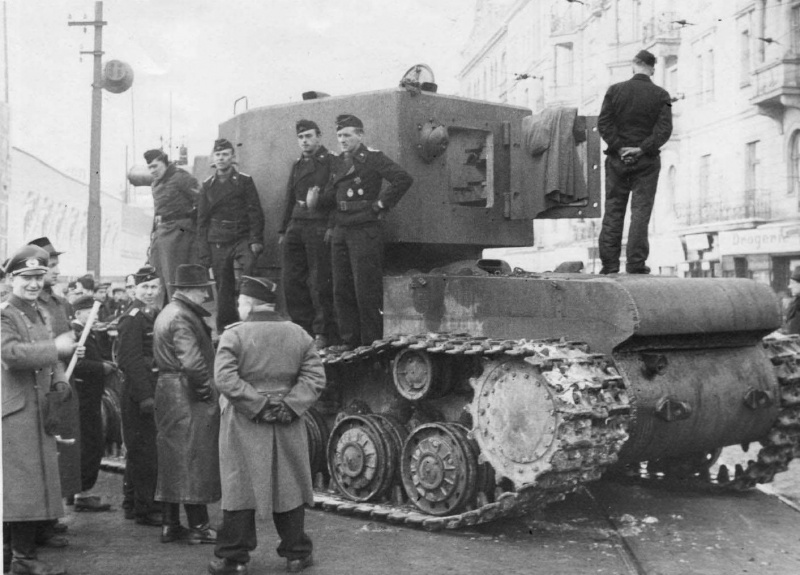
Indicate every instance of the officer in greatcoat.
{"type": "Point", "coordinates": [187, 410]}
{"type": "Point", "coordinates": [175, 195]}
{"type": "Point", "coordinates": [135, 359]}
{"type": "Point", "coordinates": [57, 313]}
{"type": "Point", "coordinates": [307, 281]}
{"type": "Point", "coordinates": [269, 373]}
{"type": "Point", "coordinates": [359, 207]}
{"type": "Point", "coordinates": [30, 369]}
{"type": "Point", "coordinates": [230, 228]}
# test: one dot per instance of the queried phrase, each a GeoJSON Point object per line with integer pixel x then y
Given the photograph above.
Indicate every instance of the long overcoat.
{"type": "Point", "coordinates": [265, 466]}
{"type": "Point", "coordinates": [188, 429]}
{"type": "Point", "coordinates": [31, 485]}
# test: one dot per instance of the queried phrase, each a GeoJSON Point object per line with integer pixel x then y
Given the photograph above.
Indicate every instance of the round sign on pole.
{"type": "Point", "coordinates": [117, 76]}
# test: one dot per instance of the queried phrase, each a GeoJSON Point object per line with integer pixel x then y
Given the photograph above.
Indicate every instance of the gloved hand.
{"type": "Point", "coordinates": [203, 393]}
{"type": "Point", "coordinates": [147, 406]}
{"type": "Point", "coordinates": [256, 248]}
{"type": "Point", "coordinates": [269, 414]}
{"type": "Point", "coordinates": [285, 414]}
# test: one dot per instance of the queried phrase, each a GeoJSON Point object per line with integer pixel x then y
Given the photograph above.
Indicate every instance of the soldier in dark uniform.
{"type": "Point", "coordinates": [230, 227]}
{"type": "Point", "coordinates": [90, 373]}
{"type": "Point", "coordinates": [175, 194]}
{"type": "Point", "coordinates": [307, 282]}
{"type": "Point", "coordinates": [135, 358]}
{"type": "Point", "coordinates": [359, 204]}
{"type": "Point", "coordinates": [635, 121]}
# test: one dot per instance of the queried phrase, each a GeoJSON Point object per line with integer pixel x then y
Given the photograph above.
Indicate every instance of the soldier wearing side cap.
{"type": "Point", "coordinates": [175, 195]}
{"type": "Point", "coordinates": [635, 121]}
{"type": "Point", "coordinates": [268, 373]}
{"type": "Point", "coordinates": [135, 359]}
{"type": "Point", "coordinates": [307, 281]}
{"type": "Point", "coordinates": [230, 228]}
{"type": "Point", "coordinates": [31, 369]}
{"type": "Point", "coordinates": [359, 205]}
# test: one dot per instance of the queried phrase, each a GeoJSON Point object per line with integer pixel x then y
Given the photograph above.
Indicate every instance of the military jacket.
{"type": "Point", "coordinates": [230, 211]}
{"type": "Point", "coordinates": [307, 172]}
{"type": "Point", "coordinates": [354, 191]}
{"type": "Point", "coordinates": [175, 194]}
{"type": "Point", "coordinates": [135, 357]}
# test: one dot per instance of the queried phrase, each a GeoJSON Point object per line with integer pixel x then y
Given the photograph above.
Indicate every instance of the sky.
{"type": "Point", "coordinates": [193, 58]}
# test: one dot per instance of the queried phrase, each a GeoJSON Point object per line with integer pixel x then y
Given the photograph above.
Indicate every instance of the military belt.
{"type": "Point", "coordinates": [173, 217]}
{"type": "Point", "coordinates": [353, 206]}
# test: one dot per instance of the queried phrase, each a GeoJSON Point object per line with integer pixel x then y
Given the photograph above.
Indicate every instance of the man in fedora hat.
{"type": "Point", "coordinates": [307, 282]}
{"type": "Point", "coordinates": [173, 240]}
{"type": "Point", "coordinates": [187, 411]}
{"type": "Point", "coordinates": [30, 368]}
{"type": "Point", "coordinates": [360, 201]}
{"type": "Point", "coordinates": [230, 227]}
{"type": "Point", "coordinates": [268, 373]}
{"type": "Point", "coordinates": [635, 121]}
{"type": "Point", "coordinates": [792, 323]}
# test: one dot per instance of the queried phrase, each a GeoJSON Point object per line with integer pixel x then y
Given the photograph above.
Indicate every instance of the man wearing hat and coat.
{"type": "Point", "coordinates": [30, 370]}
{"type": "Point", "coordinates": [175, 194]}
{"type": "Point", "coordinates": [136, 361]}
{"type": "Point", "coordinates": [187, 410]}
{"type": "Point", "coordinates": [307, 282]}
{"type": "Point", "coordinates": [359, 207]}
{"type": "Point", "coordinates": [792, 323]}
{"type": "Point", "coordinates": [57, 313]}
{"type": "Point", "coordinates": [635, 121]}
{"type": "Point", "coordinates": [268, 373]}
{"type": "Point", "coordinates": [90, 373]}
{"type": "Point", "coordinates": [230, 228]}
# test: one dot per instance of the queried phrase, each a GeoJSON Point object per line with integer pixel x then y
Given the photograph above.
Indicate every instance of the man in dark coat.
{"type": "Point", "coordinates": [173, 240]}
{"type": "Point", "coordinates": [230, 228]}
{"type": "Point", "coordinates": [90, 373]}
{"type": "Point", "coordinates": [31, 369]}
{"type": "Point", "coordinates": [57, 313]}
{"type": "Point", "coordinates": [187, 410]}
{"type": "Point", "coordinates": [136, 361]}
{"type": "Point", "coordinates": [792, 323]}
{"type": "Point", "coordinates": [359, 206]}
{"type": "Point", "coordinates": [635, 121]}
{"type": "Point", "coordinates": [269, 374]}
{"type": "Point", "coordinates": [307, 282]}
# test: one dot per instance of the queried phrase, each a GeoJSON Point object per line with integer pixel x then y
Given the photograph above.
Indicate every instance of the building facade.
{"type": "Point", "coordinates": [729, 191]}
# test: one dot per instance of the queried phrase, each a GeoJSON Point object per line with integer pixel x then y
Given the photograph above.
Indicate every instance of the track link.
{"type": "Point", "coordinates": [592, 409]}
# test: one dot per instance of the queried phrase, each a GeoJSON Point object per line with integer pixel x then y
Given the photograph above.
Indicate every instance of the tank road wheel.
{"type": "Point", "coordinates": [417, 375]}
{"type": "Point", "coordinates": [317, 432]}
{"type": "Point", "coordinates": [439, 468]}
{"type": "Point", "coordinates": [362, 457]}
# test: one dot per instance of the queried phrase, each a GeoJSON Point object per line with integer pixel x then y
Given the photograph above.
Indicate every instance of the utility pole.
{"type": "Point", "coordinates": [94, 221]}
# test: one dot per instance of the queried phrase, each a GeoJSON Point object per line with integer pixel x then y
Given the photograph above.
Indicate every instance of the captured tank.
{"type": "Point", "coordinates": [497, 391]}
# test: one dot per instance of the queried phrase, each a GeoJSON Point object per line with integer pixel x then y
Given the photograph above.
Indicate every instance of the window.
{"type": "Point", "coordinates": [564, 64]}
{"type": "Point", "coordinates": [752, 174]}
{"type": "Point", "coordinates": [704, 178]}
{"type": "Point", "coordinates": [671, 75]}
{"type": "Point", "coordinates": [762, 30]}
{"type": "Point", "coordinates": [794, 163]}
{"type": "Point", "coordinates": [744, 58]}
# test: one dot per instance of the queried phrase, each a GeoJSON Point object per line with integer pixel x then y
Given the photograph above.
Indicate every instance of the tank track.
{"type": "Point", "coordinates": [778, 447]}
{"type": "Point", "coordinates": [591, 400]}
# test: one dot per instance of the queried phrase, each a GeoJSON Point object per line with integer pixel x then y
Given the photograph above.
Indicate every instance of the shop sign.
{"type": "Point", "coordinates": [781, 239]}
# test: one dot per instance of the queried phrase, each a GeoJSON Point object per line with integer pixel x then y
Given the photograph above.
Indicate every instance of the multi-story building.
{"type": "Point", "coordinates": [729, 191]}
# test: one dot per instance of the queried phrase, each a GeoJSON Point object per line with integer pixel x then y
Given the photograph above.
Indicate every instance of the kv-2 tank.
{"type": "Point", "coordinates": [497, 391]}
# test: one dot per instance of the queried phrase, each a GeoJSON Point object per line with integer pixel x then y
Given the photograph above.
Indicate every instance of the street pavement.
{"type": "Point", "coordinates": [611, 528]}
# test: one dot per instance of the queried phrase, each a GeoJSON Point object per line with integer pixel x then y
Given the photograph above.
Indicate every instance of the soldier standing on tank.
{"type": "Point", "coordinates": [635, 121]}
{"type": "Point", "coordinates": [230, 228]}
{"type": "Point", "coordinates": [359, 207]}
{"type": "Point", "coordinates": [136, 361]}
{"type": "Point", "coordinates": [173, 241]}
{"type": "Point", "coordinates": [307, 281]}
{"type": "Point", "coordinates": [269, 374]}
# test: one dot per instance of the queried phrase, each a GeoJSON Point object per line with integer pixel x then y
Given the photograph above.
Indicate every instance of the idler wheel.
{"type": "Point", "coordinates": [362, 457]}
{"type": "Point", "coordinates": [439, 468]}
{"type": "Point", "coordinates": [417, 375]}
{"type": "Point", "coordinates": [317, 432]}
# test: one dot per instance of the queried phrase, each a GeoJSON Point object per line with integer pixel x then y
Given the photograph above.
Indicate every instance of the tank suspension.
{"type": "Point", "coordinates": [318, 433]}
